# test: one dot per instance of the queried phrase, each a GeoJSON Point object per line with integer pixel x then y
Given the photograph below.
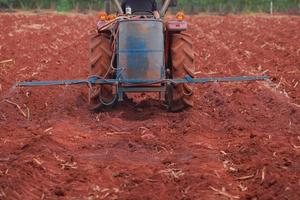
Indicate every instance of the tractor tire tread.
{"type": "Point", "coordinates": [100, 62]}
{"type": "Point", "coordinates": [183, 57]}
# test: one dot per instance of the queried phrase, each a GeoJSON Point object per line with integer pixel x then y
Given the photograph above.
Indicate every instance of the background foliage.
{"type": "Point", "coordinates": [239, 5]}
{"type": "Point", "coordinates": [190, 6]}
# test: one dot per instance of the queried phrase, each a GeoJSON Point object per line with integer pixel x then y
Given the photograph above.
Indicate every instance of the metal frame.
{"type": "Point", "coordinates": [123, 85]}
{"type": "Point", "coordinates": [188, 79]}
{"type": "Point", "coordinates": [162, 11]}
{"type": "Point", "coordinates": [165, 7]}
{"type": "Point", "coordinates": [118, 6]}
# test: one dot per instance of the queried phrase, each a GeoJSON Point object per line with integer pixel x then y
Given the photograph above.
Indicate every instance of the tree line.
{"type": "Point", "coordinates": [189, 6]}
{"type": "Point", "coordinates": [59, 5]}
{"type": "Point", "coordinates": [238, 6]}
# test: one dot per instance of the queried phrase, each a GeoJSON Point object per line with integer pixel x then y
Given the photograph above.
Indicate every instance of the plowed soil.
{"type": "Point", "coordinates": [240, 141]}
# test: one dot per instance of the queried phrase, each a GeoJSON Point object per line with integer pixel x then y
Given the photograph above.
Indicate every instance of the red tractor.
{"type": "Point", "coordinates": [138, 46]}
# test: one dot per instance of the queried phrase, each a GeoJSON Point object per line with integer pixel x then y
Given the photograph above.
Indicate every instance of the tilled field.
{"type": "Point", "coordinates": [240, 141]}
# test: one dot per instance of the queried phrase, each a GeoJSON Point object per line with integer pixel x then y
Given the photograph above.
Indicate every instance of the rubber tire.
{"type": "Point", "coordinates": [183, 64]}
{"type": "Point", "coordinates": [100, 61]}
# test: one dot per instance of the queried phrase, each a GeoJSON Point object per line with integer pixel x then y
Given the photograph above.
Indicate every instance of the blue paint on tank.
{"type": "Point", "coordinates": [140, 49]}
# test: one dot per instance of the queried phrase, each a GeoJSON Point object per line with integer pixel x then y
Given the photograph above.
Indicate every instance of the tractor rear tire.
{"type": "Point", "coordinates": [180, 96]}
{"type": "Point", "coordinates": [100, 65]}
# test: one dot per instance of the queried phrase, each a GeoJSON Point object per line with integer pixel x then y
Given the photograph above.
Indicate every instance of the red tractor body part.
{"type": "Point", "coordinates": [176, 26]}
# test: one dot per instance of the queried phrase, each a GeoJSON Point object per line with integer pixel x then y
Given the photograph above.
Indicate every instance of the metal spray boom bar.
{"type": "Point", "coordinates": [187, 79]}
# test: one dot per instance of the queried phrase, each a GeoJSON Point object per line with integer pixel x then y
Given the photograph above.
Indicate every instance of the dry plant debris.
{"type": "Point", "coordinates": [6, 61]}
{"type": "Point", "coordinates": [173, 173]}
{"type": "Point", "coordinates": [17, 106]}
{"type": "Point", "coordinates": [224, 193]}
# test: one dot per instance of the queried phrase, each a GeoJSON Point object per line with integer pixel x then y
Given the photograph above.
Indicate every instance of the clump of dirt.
{"type": "Point", "coordinates": [240, 141]}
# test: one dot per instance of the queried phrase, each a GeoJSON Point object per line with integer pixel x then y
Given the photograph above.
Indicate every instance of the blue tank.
{"type": "Point", "coordinates": [140, 50]}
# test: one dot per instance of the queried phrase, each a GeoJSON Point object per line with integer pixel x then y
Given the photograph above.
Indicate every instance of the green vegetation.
{"type": "Point", "coordinates": [190, 6]}
{"type": "Point", "coordinates": [59, 5]}
{"type": "Point", "coordinates": [238, 6]}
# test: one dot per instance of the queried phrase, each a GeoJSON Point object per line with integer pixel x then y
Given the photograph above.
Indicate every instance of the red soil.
{"type": "Point", "coordinates": [240, 138]}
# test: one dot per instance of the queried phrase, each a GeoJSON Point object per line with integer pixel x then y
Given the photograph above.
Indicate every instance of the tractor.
{"type": "Point", "coordinates": [136, 52]}
{"type": "Point", "coordinates": [137, 47]}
